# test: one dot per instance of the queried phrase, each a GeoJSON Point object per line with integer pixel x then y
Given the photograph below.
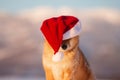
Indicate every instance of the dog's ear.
{"type": "Point", "coordinates": [73, 42]}
{"type": "Point", "coordinates": [69, 44]}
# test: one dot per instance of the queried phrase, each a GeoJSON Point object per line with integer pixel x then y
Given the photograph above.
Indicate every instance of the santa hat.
{"type": "Point", "coordinates": [60, 28]}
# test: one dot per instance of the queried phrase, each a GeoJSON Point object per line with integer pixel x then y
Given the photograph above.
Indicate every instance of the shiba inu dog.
{"type": "Point", "coordinates": [62, 58]}
{"type": "Point", "coordinates": [73, 66]}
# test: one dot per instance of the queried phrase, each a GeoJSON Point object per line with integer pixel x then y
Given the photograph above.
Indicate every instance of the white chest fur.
{"type": "Point", "coordinates": [60, 70]}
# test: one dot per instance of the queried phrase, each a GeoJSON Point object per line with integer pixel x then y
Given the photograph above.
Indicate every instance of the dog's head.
{"type": "Point", "coordinates": [68, 46]}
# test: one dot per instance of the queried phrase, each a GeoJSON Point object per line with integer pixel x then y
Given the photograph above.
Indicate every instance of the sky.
{"type": "Point", "coordinates": [19, 5]}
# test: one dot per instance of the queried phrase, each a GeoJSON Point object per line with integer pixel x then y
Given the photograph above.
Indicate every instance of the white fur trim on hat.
{"type": "Point", "coordinates": [73, 31]}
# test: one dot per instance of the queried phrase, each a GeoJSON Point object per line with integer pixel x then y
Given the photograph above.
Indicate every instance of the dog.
{"type": "Point", "coordinates": [73, 66]}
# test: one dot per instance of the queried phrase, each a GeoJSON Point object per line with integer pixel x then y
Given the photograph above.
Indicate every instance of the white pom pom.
{"type": "Point", "coordinates": [58, 56]}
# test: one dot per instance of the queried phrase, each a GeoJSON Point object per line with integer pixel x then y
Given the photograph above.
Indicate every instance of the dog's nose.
{"type": "Point", "coordinates": [64, 46]}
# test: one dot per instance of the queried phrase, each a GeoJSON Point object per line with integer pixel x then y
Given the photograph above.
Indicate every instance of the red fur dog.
{"type": "Point", "coordinates": [74, 65]}
{"type": "Point", "coordinates": [62, 57]}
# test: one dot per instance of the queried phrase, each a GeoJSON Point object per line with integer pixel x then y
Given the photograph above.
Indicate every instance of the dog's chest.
{"type": "Point", "coordinates": [57, 70]}
{"type": "Point", "coordinates": [60, 70]}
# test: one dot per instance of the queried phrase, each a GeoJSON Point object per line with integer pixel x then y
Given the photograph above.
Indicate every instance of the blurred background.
{"type": "Point", "coordinates": [21, 42]}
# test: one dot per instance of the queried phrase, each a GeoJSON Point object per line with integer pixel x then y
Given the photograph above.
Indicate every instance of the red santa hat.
{"type": "Point", "coordinates": [60, 28]}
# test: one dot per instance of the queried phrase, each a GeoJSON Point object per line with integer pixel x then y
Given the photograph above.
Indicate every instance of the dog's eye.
{"type": "Point", "coordinates": [64, 46]}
